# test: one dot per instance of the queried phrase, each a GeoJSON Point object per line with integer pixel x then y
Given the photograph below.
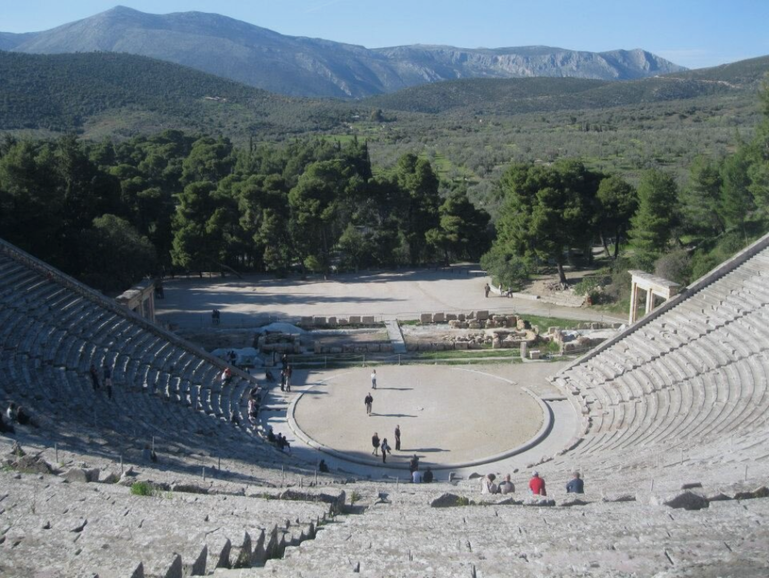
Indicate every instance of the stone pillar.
{"type": "Point", "coordinates": [524, 349]}
{"type": "Point", "coordinates": [649, 301]}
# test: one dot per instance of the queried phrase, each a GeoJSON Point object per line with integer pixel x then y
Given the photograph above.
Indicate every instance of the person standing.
{"type": "Point", "coordinates": [385, 449]}
{"type": "Point", "coordinates": [373, 379]}
{"type": "Point", "coordinates": [288, 372]}
{"type": "Point", "coordinates": [94, 377]}
{"type": "Point", "coordinates": [486, 289]}
{"type": "Point", "coordinates": [397, 438]}
{"type": "Point", "coordinates": [282, 380]}
{"type": "Point", "coordinates": [375, 443]}
{"type": "Point", "coordinates": [368, 400]}
{"type": "Point", "coordinates": [107, 373]}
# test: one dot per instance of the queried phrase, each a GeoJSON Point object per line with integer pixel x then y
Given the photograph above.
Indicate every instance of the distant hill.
{"type": "Point", "coordinates": [131, 94]}
{"type": "Point", "coordinates": [523, 95]}
{"type": "Point", "coordinates": [312, 67]}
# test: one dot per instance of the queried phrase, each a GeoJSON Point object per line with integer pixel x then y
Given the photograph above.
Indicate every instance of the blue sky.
{"type": "Point", "coordinates": [692, 33]}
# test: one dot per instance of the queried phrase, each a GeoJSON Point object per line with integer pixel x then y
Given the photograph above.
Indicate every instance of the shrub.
{"type": "Point", "coordinates": [675, 266]}
{"type": "Point", "coordinates": [142, 489]}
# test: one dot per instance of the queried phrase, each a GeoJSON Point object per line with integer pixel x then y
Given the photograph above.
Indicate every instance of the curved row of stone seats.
{"type": "Point", "coordinates": [54, 329]}
{"type": "Point", "coordinates": [73, 529]}
{"type": "Point", "coordinates": [406, 537]}
{"type": "Point", "coordinates": [691, 372]}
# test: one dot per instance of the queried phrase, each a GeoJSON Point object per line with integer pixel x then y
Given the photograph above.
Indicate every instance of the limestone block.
{"type": "Point", "coordinates": [496, 343]}
{"type": "Point", "coordinates": [188, 489]}
{"type": "Point", "coordinates": [541, 502]}
{"type": "Point", "coordinates": [512, 320]}
{"type": "Point", "coordinates": [332, 320]}
{"type": "Point", "coordinates": [461, 317]}
{"type": "Point", "coordinates": [449, 501]}
{"type": "Point", "coordinates": [426, 318]}
{"type": "Point", "coordinates": [319, 321]}
{"type": "Point", "coordinates": [451, 317]}
{"type": "Point", "coordinates": [461, 345]}
{"type": "Point", "coordinates": [306, 321]}
{"type": "Point", "coordinates": [342, 321]}
{"type": "Point", "coordinates": [685, 500]}
{"type": "Point", "coordinates": [76, 475]}
{"type": "Point", "coordinates": [618, 498]}
{"type": "Point", "coordinates": [691, 486]}
{"type": "Point", "coordinates": [762, 492]}
{"type": "Point", "coordinates": [354, 319]}
{"type": "Point", "coordinates": [719, 497]}
{"type": "Point", "coordinates": [534, 354]}
{"type": "Point", "coordinates": [481, 324]}
{"type": "Point", "coordinates": [368, 320]}
{"type": "Point", "coordinates": [574, 502]}
{"type": "Point", "coordinates": [473, 345]}
{"type": "Point", "coordinates": [523, 324]}
{"type": "Point", "coordinates": [454, 324]}
{"type": "Point", "coordinates": [439, 318]}
{"type": "Point", "coordinates": [109, 478]}
{"type": "Point", "coordinates": [470, 315]}
{"type": "Point", "coordinates": [474, 325]}
{"type": "Point", "coordinates": [481, 315]}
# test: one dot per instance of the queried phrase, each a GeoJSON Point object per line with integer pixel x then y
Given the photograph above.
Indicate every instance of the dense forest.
{"type": "Point", "coordinates": [110, 214]}
{"type": "Point", "coordinates": [667, 173]}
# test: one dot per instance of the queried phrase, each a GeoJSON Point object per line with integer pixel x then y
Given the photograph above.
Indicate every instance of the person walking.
{"type": "Point", "coordinates": [385, 449]}
{"type": "Point", "coordinates": [375, 443]}
{"type": "Point", "coordinates": [289, 372]}
{"type": "Point", "coordinates": [107, 373]}
{"type": "Point", "coordinates": [397, 438]}
{"type": "Point", "coordinates": [373, 379]}
{"type": "Point", "coordinates": [368, 400]}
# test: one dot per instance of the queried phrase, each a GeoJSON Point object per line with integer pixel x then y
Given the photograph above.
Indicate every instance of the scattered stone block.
{"type": "Point", "coordinates": [425, 318]}
{"type": "Point", "coordinates": [451, 317]}
{"type": "Point", "coordinates": [686, 501]}
{"type": "Point", "coordinates": [110, 478]}
{"type": "Point", "coordinates": [534, 354]}
{"type": "Point", "coordinates": [319, 321]}
{"type": "Point", "coordinates": [619, 498]}
{"type": "Point", "coordinates": [460, 345]}
{"type": "Point", "coordinates": [474, 325]}
{"type": "Point", "coordinates": [31, 465]}
{"type": "Point", "coordinates": [449, 501]}
{"type": "Point", "coordinates": [439, 318]}
{"type": "Point", "coordinates": [188, 489]}
{"type": "Point", "coordinates": [691, 486]}
{"type": "Point", "coordinates": [332, 320]}
{"type": "Point", "coordinates": [574, 502]}
{"type": "Point", "coordinates": [461, 317]}
{"type": "Point", "coordinates": [509, 502]}
{"type": "Point", "coordinates": [306, 321]}
{"type": "Point", "coordinates": [367, 320]}
{"type": "Point", "coordinates": [762, 492]}
{"type": "Point", "coordinates": [719, 497]}
{"type": "Point", "coordinates": [76, 475]}
{"type": "Point", "coordinates": [541, 502]}
{"type": "Point", "coordinates": [481, 315]}
{"type": "Point", "coordinates": [342, 321]}
{"type": "Point", "coordinates": [522, 324]}
{"type": "Point", "coordinates": [354, 319]}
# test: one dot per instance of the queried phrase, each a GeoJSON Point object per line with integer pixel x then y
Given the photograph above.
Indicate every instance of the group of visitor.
{"type": "Point", "coordinates": [536, 485]}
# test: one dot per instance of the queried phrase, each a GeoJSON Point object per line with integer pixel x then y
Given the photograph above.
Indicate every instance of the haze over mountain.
{"type": "Point", "coordinates": [314, 67]}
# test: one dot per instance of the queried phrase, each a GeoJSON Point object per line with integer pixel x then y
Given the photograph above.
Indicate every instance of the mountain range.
{"type": "Point", "coordinates": [299, 66]}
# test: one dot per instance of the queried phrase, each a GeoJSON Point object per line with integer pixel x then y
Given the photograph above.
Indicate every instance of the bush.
{"type": "Point", "coordinates": [142, 489]}
{"type": "Point", "coordinates": [675, 266]}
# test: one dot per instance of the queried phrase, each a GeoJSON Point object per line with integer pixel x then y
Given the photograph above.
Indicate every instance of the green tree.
{"type": "Point", "coordinates": [416, 179]}
{"type": "Point", "coordinates": [701, 200]}
{"type": "Point", "coordinates": [656, 218]}
{"type": "Point", "coordinates": [547, 211]}
{"type": "Point", "coordinates": [736, 198]}
{"type": "Point", "coordinates": [617, 202]}
{"type": "Point", "coordinates": [462, 231]}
